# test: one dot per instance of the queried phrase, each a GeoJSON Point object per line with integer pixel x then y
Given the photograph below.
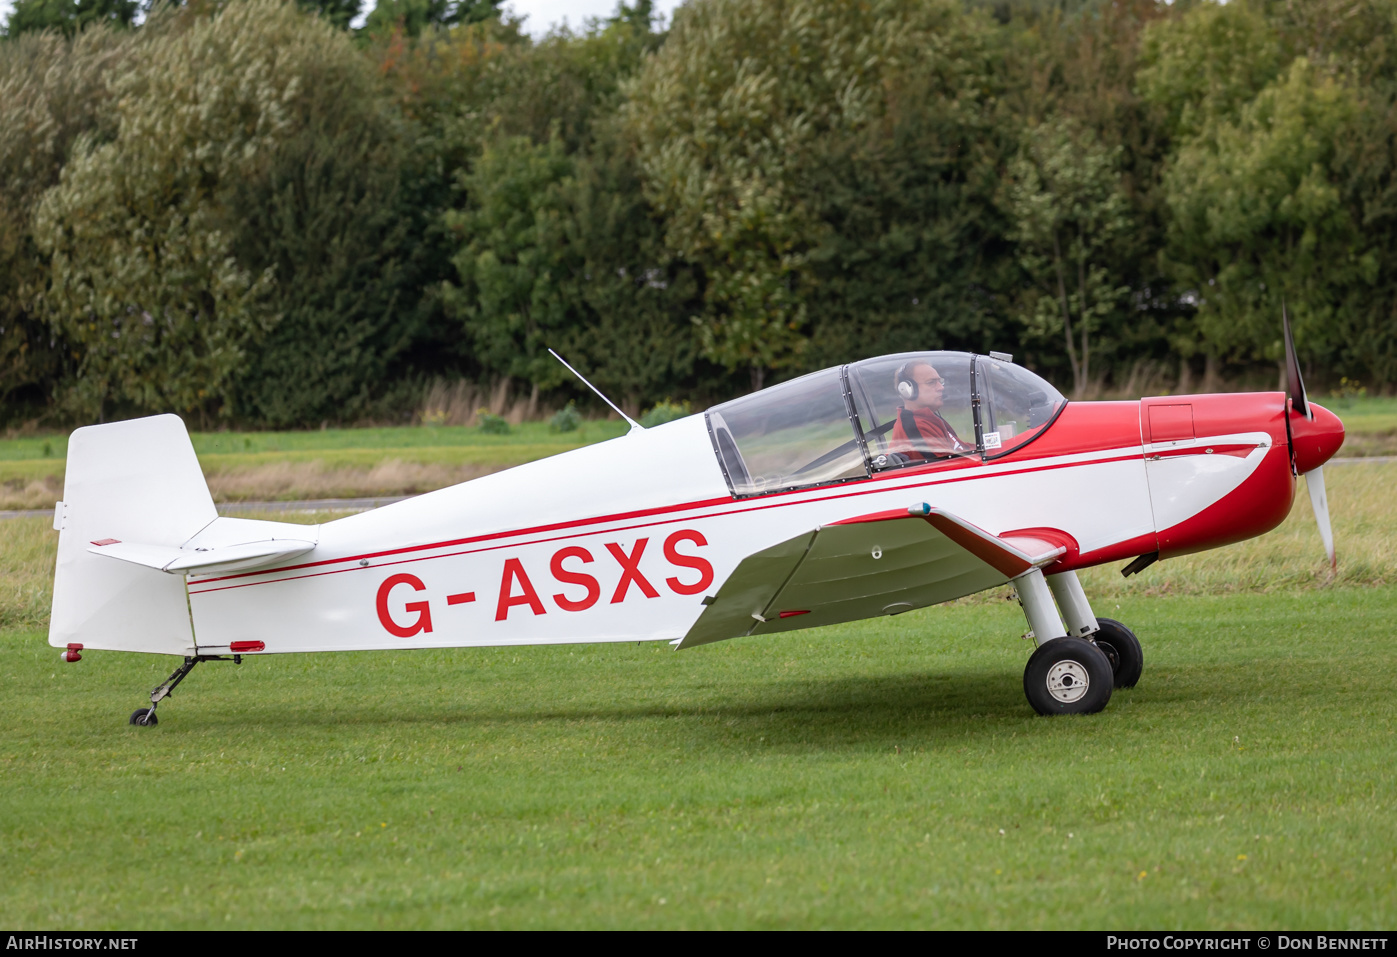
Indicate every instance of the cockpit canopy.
{"type": "Point", "coordinates": [886, 413]}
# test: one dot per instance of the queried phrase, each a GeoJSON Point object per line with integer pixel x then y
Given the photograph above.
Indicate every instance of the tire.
{"type": "Point", "coordinates": [144, 717]}
{"type": "Point", "coordinates": [1123, 649]}
{"type": "Point", "coordinates": [1068, 676]}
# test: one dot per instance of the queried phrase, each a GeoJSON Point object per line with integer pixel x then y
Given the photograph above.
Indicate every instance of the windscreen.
{"type": "Point", "coordinates": [1016, 404]}
{"type": "Point", "coordinates": [792, 435]}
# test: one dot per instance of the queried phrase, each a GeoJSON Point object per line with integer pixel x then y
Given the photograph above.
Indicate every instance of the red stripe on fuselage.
{"type": "Point", "coordinates": [663, 510]}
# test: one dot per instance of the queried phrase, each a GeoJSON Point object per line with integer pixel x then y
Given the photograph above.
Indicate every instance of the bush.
{"type": "Point", "coordinates": [54, 95]}
{"type": "Point", "coordinates": [566, 419]}
{"type": "Point", "coordinates": [225, 239]}
{"type": "Point", "coordinates": [491, 424]}
{"type": "Point", "coordinates": [666, 411]}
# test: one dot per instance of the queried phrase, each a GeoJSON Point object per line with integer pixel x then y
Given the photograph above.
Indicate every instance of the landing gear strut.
{"type": "Point", "coordinates": [1079, 662]}
{"type": "Point", "coordinates": [145, 717]}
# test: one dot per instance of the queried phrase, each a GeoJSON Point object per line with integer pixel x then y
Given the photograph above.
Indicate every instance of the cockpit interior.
{"type": "Point", "coordinates": [890, 412]}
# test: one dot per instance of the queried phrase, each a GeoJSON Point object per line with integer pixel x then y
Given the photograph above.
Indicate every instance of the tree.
{"type": "Point", "coordinates": [562, 251]}
{"type": "Point", "coordinates": [339, 12]}
{"type": "Point", "coordinates": [54, 95]}
{"type": "Point", "coordinates": [415, 16]}
{"type": "Point", "coordinates": [770, 131]}
{"type": "Point", "coordinates": [69, 16]}
{"type": "Point", "coordinates": [325, 214]}
{"type": "Point", "coordinates": [1069, 214]}
{"type": "Point", "coordinates": [515, 259]}
{"type": "Point", "coordinates": [1260, 219]}
{"type": "Point", "coordinates": [145, 278]}
{"type": "Point", "coordinates": [1205, 66]}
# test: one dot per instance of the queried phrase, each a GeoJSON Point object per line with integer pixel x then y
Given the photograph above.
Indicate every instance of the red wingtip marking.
{"type": "Point", "coordinates": [460, 599]}
{"type": "Point", "coordinates": [107, 541]}
{"type": "Point", "coordinates": [792, 614]}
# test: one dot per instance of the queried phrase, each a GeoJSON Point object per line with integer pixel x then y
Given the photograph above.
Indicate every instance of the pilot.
{"type": "Point", "coordinates": [920, 433]}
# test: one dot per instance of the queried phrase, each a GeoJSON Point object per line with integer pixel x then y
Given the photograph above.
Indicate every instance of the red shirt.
{"type": "Point", "coordinates": [930, 436]}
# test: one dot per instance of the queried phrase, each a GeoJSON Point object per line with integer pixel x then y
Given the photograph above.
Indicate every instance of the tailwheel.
{"type": "Point", "coordinates": [1068, 676]}
{"type": "Point", "coordinates": [144, 717]}
{"type": "Point", "coordinates": [1122, 649]}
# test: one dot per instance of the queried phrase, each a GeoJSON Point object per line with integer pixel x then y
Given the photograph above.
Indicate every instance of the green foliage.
{"type": "Point", "coordinates": [556, 243]}
{"type": "Point", "coordinates": [1204, 67]}
{"type": "Point", "coordinates": [782, 143]}
{"type": "Point", "coordinates": [1064, 195]}
{"type": "Point", "coordinates": [414, 16]}
{"type": "Point", "coordinates": [515, 258]}
{"type": "Point", "coordinates": [665, 411]}
{"type": "Point", "coordinates": [338, 12]}
{"type": "Point", "coordinates": [68, 16]}
{"type": "Point", "coordinates": [491, 424]}
{"type": "Point", "coordinates": [53, 92]}
{"type": "Point", "coordinates": [325, 217]}
{"type": "Point", "coordinates": [144, 230]}
{"type": "Point", "coordinates": [1259, 218]}
{"type": "Point", "coordinates": [238, 209]}
{"type": "Point", "coordinates": [566, 419]}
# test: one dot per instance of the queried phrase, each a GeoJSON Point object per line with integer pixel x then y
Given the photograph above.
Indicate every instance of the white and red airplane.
{"type": "Point", "coordinates": [870, 489]}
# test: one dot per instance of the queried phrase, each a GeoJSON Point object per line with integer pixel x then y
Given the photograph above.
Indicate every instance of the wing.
{"type": "Point", "coordinates": [880, 564]}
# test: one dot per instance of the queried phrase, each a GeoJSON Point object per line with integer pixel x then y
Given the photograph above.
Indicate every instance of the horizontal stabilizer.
{"type": "Point", "coordinates": [863, 567]}
{"type": "Point", "coordinates": [203, 561]}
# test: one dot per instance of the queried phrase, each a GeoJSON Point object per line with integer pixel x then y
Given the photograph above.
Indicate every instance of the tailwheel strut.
{"type": "Point", "coordinates": [145, 717]}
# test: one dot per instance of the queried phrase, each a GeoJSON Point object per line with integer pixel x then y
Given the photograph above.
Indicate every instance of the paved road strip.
{"type": "Point", "coordinates": [234, 508]}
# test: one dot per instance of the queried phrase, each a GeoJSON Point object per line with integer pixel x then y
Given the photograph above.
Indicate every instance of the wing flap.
{"type": "Point", "coordinates": [864, 567]}
{"type": "Point", "coordinates": [747, 592]}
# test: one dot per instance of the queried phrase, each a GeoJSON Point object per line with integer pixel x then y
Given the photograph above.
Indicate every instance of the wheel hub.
{"type": "Point", "coordinates": [1068, 681]}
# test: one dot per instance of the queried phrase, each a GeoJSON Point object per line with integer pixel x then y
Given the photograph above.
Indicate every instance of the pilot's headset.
{"type": "Point", "coordinates": [906, 385]}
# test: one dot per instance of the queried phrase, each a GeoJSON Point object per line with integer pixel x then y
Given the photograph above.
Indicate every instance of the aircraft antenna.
{"type": "Point", "coordinates": [635, 426]}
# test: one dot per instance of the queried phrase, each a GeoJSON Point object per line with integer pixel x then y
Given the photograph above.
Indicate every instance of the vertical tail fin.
{"type": "Point", "coordinates": [137, 480]}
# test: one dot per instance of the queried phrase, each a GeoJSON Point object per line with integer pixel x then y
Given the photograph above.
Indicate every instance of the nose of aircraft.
{"type": "Point", "coordinates": [1315, 440]}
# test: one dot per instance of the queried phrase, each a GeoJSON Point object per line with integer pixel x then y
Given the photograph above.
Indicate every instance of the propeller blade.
{"type": "Point", "coordinates": [1314, 481]}
{"type": "Point", "coordinates": [1295, 385]}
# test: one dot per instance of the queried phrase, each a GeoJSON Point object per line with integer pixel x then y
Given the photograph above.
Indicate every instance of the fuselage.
{"type": "Point", "coordinates": [623, 540]}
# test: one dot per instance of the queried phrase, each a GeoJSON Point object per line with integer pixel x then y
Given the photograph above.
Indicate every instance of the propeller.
{"type": "Point", "coordinates": [1314, 478]}
{"type": "Point", "coordinates": [1295, 385]}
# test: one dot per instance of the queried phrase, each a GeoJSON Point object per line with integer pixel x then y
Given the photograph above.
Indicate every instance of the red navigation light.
{"type": "Point", "coordinates": [792, 614]}
{"type": "Point", "coordinates": [238, 647]}
{"type": "Point", "coordinates": [71, 654]}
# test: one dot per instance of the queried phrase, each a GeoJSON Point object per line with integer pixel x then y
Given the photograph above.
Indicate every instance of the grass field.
{"type": "Point", "coordinates": [272, 466]}
{"type": "Point", "coordinates": [336, 463]}
{"type": "Point", "coordinates": [884, 774]}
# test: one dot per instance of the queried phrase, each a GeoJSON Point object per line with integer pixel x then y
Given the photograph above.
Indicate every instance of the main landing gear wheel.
{"type": "Point", "coordinates": [1122, 648]}
{"type": "Point", "coordinates": [1068, 676]}
{"type": "Point", "coordinates": [145, 717]}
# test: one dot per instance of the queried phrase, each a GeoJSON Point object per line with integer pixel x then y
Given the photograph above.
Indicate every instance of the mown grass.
{"type": "Point", "coordinates": [882, 774]}
{"type": "Point", "coordinates": [279, 466]}
{"type": "Point", "coordinates": [887, 774]}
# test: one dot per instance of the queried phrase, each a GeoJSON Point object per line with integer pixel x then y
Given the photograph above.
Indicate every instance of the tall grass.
{"type": "Point", "coordinates": [28, 547]}
{"type": "Point", "coordinates": [460, 402]}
